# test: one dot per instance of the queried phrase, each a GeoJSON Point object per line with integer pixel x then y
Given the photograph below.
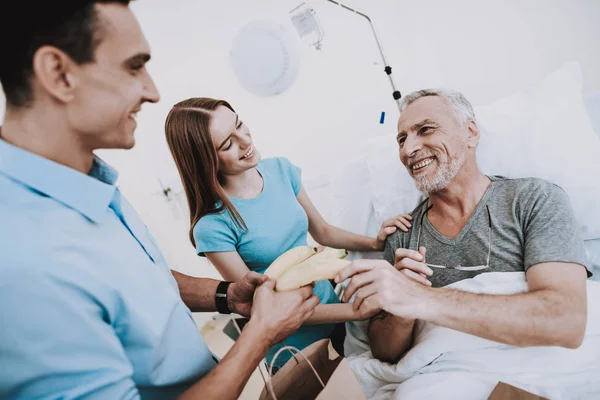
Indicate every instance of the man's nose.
{"type": "Point", "coordinates": [411, 147]}
{"type": "Point", "coordinates": [151, 94]}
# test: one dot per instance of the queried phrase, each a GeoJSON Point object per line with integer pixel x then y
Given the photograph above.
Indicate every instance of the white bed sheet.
{"type": "Point", "coordinates": [445, 364]}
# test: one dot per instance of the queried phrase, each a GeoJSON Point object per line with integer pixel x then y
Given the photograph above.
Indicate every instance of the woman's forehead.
{"type": "Point", "coordinates": [222, 124]}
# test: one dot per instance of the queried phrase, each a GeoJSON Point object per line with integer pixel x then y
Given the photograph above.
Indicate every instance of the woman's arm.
{"type": "Point", "coordinates": [229, 264]}
{"type": "Point", "coordinates": [334, 313]}
{"type": "Point", "coordinates": [329, 235]}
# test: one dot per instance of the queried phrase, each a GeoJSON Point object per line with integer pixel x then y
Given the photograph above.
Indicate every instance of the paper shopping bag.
{"type": "Point", "coordinates": [504, 391]}
{"type": "Point", "coordinates": [297, 380]}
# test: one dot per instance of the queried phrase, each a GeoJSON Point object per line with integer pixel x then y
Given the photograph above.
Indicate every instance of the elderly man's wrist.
{"type": "Point", "coordinates": [427, 306]}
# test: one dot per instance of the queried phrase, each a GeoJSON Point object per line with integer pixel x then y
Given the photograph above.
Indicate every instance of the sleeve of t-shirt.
{"type": "Point", "coordinates": [213, 234]}
{"type": "Point", "coordinates": [551, 231]}
{"type": "Point", "coordinates": [294, 173]}
{"type": "Point", "coordinates": [392, 243]}
{"type": "Point", "coordinates": [57, 341]}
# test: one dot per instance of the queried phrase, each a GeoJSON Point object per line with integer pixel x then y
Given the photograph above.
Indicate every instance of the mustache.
{"type": "Point", "coordinates": [420, 156]}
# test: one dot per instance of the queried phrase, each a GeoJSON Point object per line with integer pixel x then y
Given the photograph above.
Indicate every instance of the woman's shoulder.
{"type": "Point", "coordinates": [279, 163]}
{"type": "Point", "coordinates": [219, 219]}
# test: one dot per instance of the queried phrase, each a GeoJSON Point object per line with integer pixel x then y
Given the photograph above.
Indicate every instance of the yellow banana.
{"type": "Point", "coordinates": [309, 271]}
{"type": "Point", "coordinates": [329, 253]}
{"type": "Point", "coordinates": [288, 259]}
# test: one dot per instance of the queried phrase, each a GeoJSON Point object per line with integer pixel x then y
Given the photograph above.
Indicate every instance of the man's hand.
{"type": "Point", "coordinates": [412, 264]}
{"type": "Point", "coordinates": [380, 286]}
{"type": "Point", "coordinates": [240, 294]}
{"type": "Point", "coordinates": [390, 226]}
{"type": "Point", "coordinates": [279, 314]}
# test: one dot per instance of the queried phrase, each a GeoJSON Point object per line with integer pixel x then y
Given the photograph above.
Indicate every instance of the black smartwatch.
{"type": "Point", "coordinates": [221, 298]}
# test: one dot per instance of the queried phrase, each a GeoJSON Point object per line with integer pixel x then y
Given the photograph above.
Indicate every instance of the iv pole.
{"type": "Point", "coordinates": [388, 70]}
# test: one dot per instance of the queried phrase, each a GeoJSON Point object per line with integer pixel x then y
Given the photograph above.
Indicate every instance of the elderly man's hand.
{"type": "Point", "coordinates": [412, 264]}
{"type": "Point", "coordinates": [380, 286]}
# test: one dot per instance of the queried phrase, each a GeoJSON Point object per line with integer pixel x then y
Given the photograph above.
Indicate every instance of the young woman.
{"type": "Point", "coordinates": [245, 211]}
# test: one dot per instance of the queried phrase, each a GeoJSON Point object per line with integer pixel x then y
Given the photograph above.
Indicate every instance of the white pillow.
{"type": "Point", "coordinates": [543, 132]}
{"type": "Point", "coordinates": [352, 207]}
{"type": "Point", "coordinates": [592, 104]}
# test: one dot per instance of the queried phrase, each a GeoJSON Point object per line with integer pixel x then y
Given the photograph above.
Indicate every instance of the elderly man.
{"type": "Point", "coordinates": [471, 223]}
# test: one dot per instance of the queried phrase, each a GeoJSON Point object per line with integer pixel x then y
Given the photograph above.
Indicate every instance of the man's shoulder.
{"type": "Point", "coordinates": [24, 229]}
{"type": "Point", "coordinates": [34, 229]}
{"type": "Point", "coordinates": [527, 187]}
{"type": "Point", "coordinates": [399, 238]}
{"type": "Point", "coordinates": [396, 241]}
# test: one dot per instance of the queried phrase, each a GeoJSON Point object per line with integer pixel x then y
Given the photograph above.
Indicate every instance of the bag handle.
{"type": "Point", "coordinates": [291, 349]}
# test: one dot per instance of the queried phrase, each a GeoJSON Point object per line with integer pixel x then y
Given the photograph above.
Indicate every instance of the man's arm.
{"type": "Point", "coordinates": [552, 313]}
{"type": "Point", "coordinates": [197, 293]}
{"type": "Point", "coordinates": [336, 313]}
{"type": "Point", "coordinates": [390, 337]}
{"type": "Point", "coordinates": [234, 369]}
{"type": "Point", "coordinates": [268, 325]}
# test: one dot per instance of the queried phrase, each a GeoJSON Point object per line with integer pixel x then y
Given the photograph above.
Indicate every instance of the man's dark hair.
{"type": "Point", "coordinates": [69, 25]}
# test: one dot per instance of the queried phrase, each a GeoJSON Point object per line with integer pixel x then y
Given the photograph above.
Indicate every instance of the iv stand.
{"type": "Point", "coordinates": [388, 70]}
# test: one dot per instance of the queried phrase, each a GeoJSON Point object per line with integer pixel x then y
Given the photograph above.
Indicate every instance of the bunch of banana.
{"type": "Point", "coordinates": [303, 265]}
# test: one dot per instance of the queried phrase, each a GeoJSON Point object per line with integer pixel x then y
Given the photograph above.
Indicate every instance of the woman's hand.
{"type": "Point", "coordinates": [390, 226]}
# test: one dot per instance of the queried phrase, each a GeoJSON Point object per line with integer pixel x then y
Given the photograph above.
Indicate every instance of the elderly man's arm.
{"type": "Point", "coordinates": [552, 313]}
{"type": "Point", "coordinates": [390, 337]}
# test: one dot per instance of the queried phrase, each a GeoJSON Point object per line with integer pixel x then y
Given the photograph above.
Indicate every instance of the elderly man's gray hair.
{"type": "Point", "coordinates": [462, 107]}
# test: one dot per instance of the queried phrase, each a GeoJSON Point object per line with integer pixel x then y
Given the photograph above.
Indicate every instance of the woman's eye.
{"type": "Point", "coordinates": [239, 125]}
{"type": "Point", "coordinates": [229, 145]}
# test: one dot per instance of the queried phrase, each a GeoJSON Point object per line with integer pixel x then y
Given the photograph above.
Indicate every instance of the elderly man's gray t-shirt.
{"type": "Point", "coordinates": [532, 222]}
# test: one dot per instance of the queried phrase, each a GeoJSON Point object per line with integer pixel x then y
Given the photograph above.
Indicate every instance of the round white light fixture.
{"type": "Point", "coordinates": [265, 58]}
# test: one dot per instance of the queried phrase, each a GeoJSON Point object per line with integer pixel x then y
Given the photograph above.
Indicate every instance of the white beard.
{"type": "Point", "coordinates": [446, 171]}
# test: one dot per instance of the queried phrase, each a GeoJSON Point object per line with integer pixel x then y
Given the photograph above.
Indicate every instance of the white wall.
{"type": "Point", "coordinates": [484, 49]}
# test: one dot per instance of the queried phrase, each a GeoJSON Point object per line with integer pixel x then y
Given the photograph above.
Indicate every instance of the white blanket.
{"type": "Point", "coordinates": [447, 364]}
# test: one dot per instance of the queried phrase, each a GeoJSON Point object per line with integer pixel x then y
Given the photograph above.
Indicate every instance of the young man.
{"type": "Point", "coordinates": [89, 307]}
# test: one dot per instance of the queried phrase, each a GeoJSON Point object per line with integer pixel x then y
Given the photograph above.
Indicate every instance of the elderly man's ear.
{"type": "Point", "coordinates": [473, 139]}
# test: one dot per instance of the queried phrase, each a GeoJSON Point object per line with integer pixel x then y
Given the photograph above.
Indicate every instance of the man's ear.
{"type": "Point", "coordinates": [474, 135]}
{"type": "Point", "coordinates": [53, 70]}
